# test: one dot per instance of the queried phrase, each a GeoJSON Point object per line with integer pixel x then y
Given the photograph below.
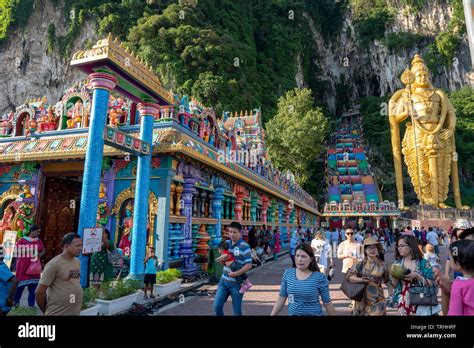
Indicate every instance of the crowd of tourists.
{"type": "Point", "coordinates": [413, 281]}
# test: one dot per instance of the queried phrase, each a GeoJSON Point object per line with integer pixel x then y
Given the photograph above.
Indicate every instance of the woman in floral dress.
{"type": "Point", "coordinates": [373, 272]}
{"type": "Point", "coordinates": [101, 269]}
{"type": "Point", "coordinates": [409, 255]}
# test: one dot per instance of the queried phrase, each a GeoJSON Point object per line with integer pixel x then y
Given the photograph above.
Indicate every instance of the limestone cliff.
{"type": "Point", "coordinates": [348, 70]}
{"type": "Point", "coordinates": [27, 70]}
{"type": "Point", "coordinates": [375, 71]}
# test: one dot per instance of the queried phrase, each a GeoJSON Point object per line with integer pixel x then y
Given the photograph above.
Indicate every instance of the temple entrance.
{"type": "Point", "coordinates": [59, 210]}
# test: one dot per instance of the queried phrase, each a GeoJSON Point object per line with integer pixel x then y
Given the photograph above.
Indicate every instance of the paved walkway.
{"type": "Point", "coordinates": [259, 300]}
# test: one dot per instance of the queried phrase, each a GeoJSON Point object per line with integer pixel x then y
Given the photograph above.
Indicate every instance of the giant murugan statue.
{"type": "Point", "coordinates": [428, 145]}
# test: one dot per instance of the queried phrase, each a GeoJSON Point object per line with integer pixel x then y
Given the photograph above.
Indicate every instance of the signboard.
{"type": "Point", "coordinates": [9, 241]}
{"type": "Point", "coordinates": [125, 142]}
{"type": "Point", "coordinates": [92, 240]}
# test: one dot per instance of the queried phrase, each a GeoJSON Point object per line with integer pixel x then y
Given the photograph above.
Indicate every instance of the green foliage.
{"type": "Point", "coordinates": [51, 37]}
{"type": "Point", "coordinates": [91, 294]}
{"type": "Point", "coordinates": [463, 102]}
{"type": "Point", "coordinates": [447, 42]}
{"type": "Point", "coordinates": [402, 40]}
{"type": "Point", "coordinates": [414, 5]}
{"type": "Point", "coordinates": [115, 289]}
{"type": "Point", "coordinates": [296, 134]}
{"type": "Point", "coordinates": [23, 311]}
{"type": "Point", "coordinates": [371, 18]}
{"type": "Point", "coordinates": [168, 276]}
{"type": "Point", "coordinates": [14, 14]}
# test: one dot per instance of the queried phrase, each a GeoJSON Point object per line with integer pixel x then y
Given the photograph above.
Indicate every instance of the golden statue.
{"type": "Point", "coordinates": [428, 145]}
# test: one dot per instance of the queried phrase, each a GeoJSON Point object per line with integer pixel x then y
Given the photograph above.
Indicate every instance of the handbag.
{"type": "Point", "coordinates": [34, 268]}
{"type": "Point", "coordinates": [355, 291]}
{"type": "Point", "coordinates": [423, 295]}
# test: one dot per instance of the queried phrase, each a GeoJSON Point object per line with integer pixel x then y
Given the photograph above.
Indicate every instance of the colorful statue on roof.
{"type": "Point", "coordinates": [76, 114]}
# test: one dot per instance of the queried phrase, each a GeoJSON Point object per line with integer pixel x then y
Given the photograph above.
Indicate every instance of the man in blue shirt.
{"type": "Point", "coordinates": [229, 284]}
{"type": "Point", "coordinates": [8, 285]}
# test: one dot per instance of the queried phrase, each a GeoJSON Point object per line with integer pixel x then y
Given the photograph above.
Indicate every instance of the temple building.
{"type": "Point", "coordinates": [120, 151]}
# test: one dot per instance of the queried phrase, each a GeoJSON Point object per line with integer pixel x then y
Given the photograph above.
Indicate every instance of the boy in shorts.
{"type": "Point", "coordinates": [151, 265]}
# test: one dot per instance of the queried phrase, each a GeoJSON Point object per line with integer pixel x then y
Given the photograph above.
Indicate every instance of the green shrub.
{"type": "Point", "coordinates": [115, 289]}
{"type": "Point", "coordinates": [23, 311]}
{"type": "Point", "coordinates": [91, 294]}
{"type": "Point", "coordinates": [402, 40]}
{"type": "Point", "coordinates": [171, 274]}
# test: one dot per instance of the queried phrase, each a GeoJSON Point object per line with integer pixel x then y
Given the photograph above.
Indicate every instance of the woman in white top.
{"type": "Point", "coordinates": [322, 249]}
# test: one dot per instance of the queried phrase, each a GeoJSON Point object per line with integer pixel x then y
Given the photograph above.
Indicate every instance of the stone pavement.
{"type": "Point", "coordinates": [259, 300]}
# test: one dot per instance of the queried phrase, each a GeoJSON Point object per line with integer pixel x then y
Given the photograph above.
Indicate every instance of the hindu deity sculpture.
{"type": "Point", "coordinates": [102, 191]}
{"type": "Point", "coordinates": [30, 126]}
{"type": "Point", "coordinates": [126, 241]}
{"type": "Point", "coordinates": [114, 118]}
{"type": "Point", "coordinates": [6, 124]}
{"type": "Point", "coordinates": [26, 193]}
{"type": "Point", "coordinates": [428, 145]}
{"type": "Point", "coordinates": [76, 114]}
{"type": "Point", "coordinates": [6, 224]}
{"type": "Point", "coordinates": [24, 219]}
{"type": "Point", "coordinates": [102, 214]}
{"type": "Point", "coordinates": [48, 121]}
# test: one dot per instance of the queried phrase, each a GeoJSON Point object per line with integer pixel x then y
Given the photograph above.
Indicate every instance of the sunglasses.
{"type": "Point", "coordinates": [349, 234]}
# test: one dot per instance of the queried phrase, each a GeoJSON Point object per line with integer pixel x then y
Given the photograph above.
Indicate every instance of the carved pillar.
{"type": "Point", "coordinates": [253, 206]}
{"type": "Point", "coordinates": [196, 204]}
{"type": "Point", "coordinates": [179, 204]}
{"type": "Point", "coordinates": [218, 198]}
{"type": "Point", "coordinates": [101, 84]}
{"type": "Point", "coordinates": [202, 203]}
{"type": "Point", "coordinates": [210, 212]}
{"type": "Point", "coordinates": [232, 208]}
{"type": "Point", "coordinates": [148, 111]}
{"type": "Point", "coordinates": [239, 202]}
{"type": "Point", "coordinates": [189, 191]}
{"type": "Point", "coordinates": [265, 205]}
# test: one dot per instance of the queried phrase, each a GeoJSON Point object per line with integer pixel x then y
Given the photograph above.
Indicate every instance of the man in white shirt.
{"type": "Point", "coordinates": [349, 251]}
{"type": "Point", "coordinates": [432, 238]}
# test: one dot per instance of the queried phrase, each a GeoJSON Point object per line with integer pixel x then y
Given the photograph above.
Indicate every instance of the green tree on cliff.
{"type": "Point", "coordinates": [296, 134]}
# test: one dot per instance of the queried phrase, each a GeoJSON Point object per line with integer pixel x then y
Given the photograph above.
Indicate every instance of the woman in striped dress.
{"type": "Point", "coordinates": [304, 286]}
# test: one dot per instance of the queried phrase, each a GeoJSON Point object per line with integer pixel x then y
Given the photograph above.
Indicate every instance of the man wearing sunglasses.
{"type": "Point", "coordinates": [348, 251]}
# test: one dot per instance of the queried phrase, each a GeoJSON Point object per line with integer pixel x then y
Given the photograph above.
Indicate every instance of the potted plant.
{"type": "Point", "coordinates": [168, 281]}
{"type": "Point", "coordinates": [117, 296]}
{"type": "Point", "coordinates": [89, 305]}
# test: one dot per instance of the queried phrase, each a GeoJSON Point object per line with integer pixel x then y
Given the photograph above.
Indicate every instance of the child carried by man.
{"type": "Point", "coordinates": [228, 258]}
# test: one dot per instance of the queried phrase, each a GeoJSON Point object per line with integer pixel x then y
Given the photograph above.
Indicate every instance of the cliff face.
{"type": "Point", "coordinates": [376, 70]}
{"type": "Point", "coordinates": [28, 71]}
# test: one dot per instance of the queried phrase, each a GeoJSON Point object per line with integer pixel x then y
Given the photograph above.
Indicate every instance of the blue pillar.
{"type": "Point", "coordinates": [189, 191]}
{"type": "Point", "coordinates": [142, 192]}
{"type": "Point", "coordinates": [101, 84]}
{"type": "Point", "coordinates": [217, 205]}
{"type": "Point", "coordinates": [166, 173]}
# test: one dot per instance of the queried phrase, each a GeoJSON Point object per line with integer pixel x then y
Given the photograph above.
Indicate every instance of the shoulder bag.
{"type": "Point", "coordinates": [423, 295]}
{"type": "Point", "coordinates": [355, 291]}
